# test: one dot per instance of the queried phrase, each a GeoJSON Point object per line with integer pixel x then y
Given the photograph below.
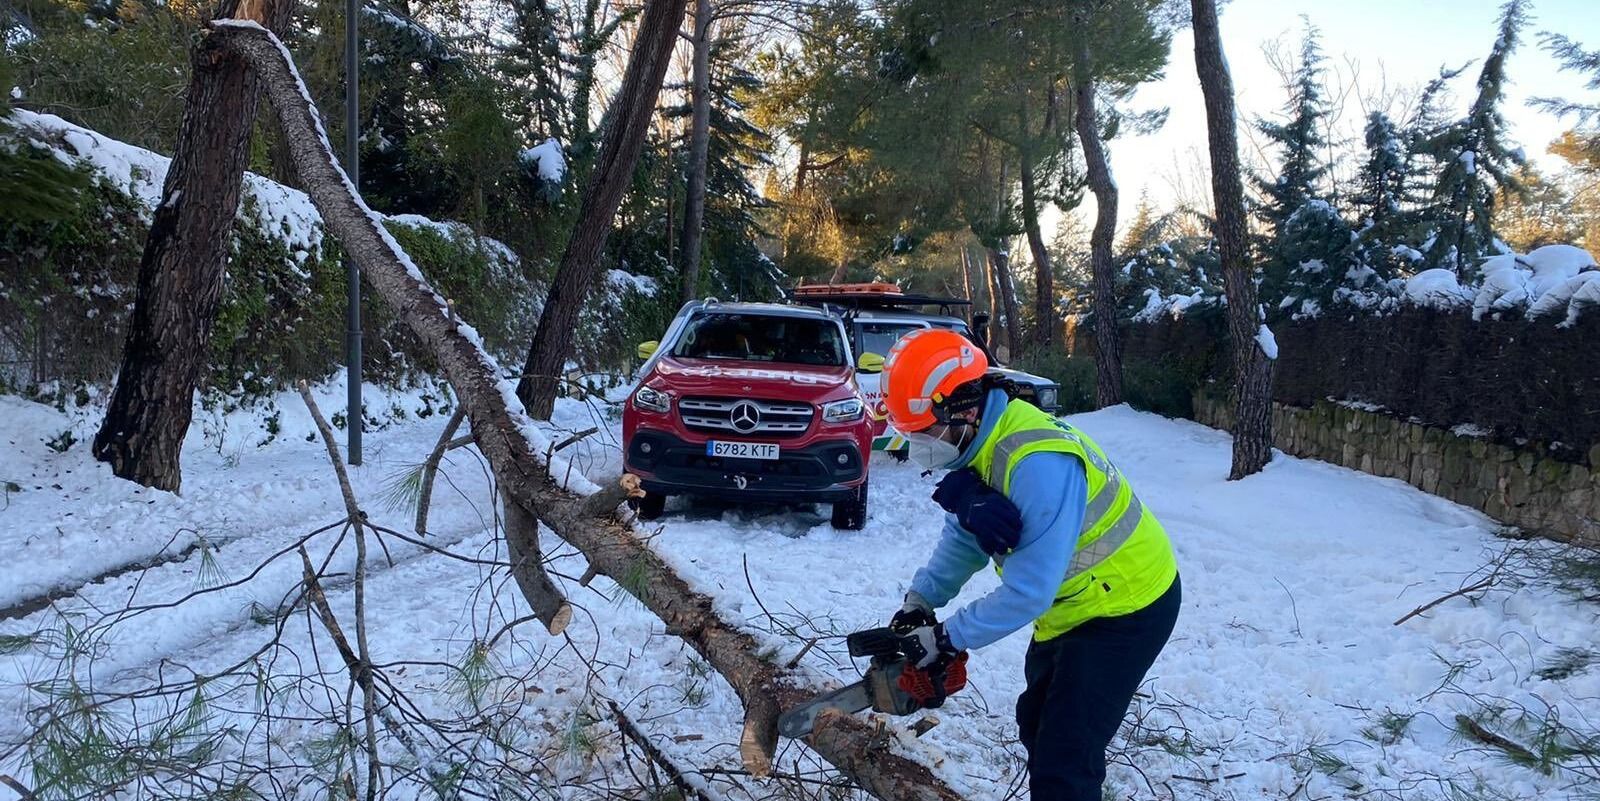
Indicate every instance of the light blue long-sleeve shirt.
{"type": "Point", "coordinates": [1050, 490]}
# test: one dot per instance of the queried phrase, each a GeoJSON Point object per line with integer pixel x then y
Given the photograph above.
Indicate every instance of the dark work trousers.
{"type": "Point", "coordinates": [1079, 688]}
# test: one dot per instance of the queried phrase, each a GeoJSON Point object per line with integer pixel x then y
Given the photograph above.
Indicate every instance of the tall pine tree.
{"type": "Point", "coordinates": [1477, 162]}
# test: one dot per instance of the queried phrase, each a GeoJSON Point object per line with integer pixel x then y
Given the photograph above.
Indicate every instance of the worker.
{"type": "Point", "coordinates": [1079, 557]}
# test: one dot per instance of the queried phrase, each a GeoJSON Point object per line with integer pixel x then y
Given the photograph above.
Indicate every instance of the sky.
{"type": "Point", "coordinates": [1398, 44]}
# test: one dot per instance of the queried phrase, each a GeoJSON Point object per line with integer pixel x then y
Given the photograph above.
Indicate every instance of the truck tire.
{"type": "Point", "coordinates": [851, 515]}
{"type": "Point", "coordinates": [651, 505]}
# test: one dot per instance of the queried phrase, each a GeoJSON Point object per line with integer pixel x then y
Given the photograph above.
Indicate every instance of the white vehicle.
{"type": "Point", "coordinates": [877, 315]}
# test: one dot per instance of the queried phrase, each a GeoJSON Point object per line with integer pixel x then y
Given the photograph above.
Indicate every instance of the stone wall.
{"type": "Point", "coordinates": [1521, 485]}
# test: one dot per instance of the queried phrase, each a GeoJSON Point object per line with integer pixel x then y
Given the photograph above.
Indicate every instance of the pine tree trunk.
{"type": "Point", "coordinates": [991, 288]}
{"type": "Point", "coordinates": [181, 270]}
{"type": "Point", "coordinates": [1000, 263]}
{"type": "Point", "coordinates": [1252, 428]}
{"type": "Point", "coordinates": [628, 121]}
{"type": "Point", "coordinates": [694, 211]}
{"type": "Point", "coordinates": [1044, 294]}
{"type": "Point", "coordinates": [966, 281]}
{"type": "Point", "coordinates": [1107, 344]}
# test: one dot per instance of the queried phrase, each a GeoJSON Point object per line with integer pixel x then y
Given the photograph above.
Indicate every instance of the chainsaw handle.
{"type": "Point", "coordinates": [879, 642]}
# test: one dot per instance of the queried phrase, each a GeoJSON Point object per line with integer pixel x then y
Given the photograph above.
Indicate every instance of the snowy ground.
{"type": "Point", "coordinates": [1285, 677]}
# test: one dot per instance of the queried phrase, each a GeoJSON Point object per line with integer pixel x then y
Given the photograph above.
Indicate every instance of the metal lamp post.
{"type": "Point", "coordinates": [352, 166]}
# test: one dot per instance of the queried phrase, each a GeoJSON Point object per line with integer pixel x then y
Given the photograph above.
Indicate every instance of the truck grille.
{"type": "Point", "coordinates": [743, 416]}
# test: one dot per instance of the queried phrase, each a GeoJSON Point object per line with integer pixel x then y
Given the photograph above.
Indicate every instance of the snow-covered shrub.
{"type": "Point", "coordinates": [67, 281]}
{"type": "Point", "coordinates": [1437, 289]}
{"type": "Point", "coordinates": [1317, 263]}
{"type": "Point", "coordinates": [1568, 299]}
{"type": "Point", "coordinates": [1516, 284]}
{"type": "Point", "coordinates": [1167, 280]}
{"type": "Point", "coordinates": [623, 309]}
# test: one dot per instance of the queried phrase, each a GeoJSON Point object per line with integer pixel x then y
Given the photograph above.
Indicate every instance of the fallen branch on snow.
{"type": "Point", "coordinates": [1497, 570]}
{"type": "Point", "coordinates": [360, 663]}
{"type": "Point", "coordinates": [447, 442]}
{"type": "Point", "coordinates": [632, 732]}
{"type": "Point", "coordinates": [503, 434]}
{"type": "Point", "coordinates": [1475, 730]}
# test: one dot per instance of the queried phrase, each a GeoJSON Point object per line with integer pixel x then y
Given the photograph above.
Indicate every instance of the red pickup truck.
{"type": "Point", "coordinates": [751, 401]}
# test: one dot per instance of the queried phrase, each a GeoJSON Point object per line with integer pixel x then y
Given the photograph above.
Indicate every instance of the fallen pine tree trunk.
{"type": "Point", "coordinates": [507, 439]}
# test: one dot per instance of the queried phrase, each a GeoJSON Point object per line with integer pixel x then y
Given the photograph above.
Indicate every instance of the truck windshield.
{"type": "Point", "coordinates": [762, 338]}
{"type": "Point", "coordinates": [880, 337]}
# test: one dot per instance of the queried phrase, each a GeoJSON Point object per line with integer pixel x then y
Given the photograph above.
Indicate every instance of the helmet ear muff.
{"type": "Point", "coordinates": [966, 397]}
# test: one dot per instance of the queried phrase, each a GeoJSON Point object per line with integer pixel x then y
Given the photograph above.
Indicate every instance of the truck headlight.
{"type": "Point", "coordinates": [844, 411]}
{"type": "Point", "coordinates": [1048, 397]}
{"type": "Point", "coordinates": [652, 400]}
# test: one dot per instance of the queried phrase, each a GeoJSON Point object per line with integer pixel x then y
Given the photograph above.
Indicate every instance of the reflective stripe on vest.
{"type": "Point", "coordinates": [1116, 535]}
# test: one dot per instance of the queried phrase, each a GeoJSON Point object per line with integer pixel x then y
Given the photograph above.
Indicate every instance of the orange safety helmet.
{"type": "Point", "coordinates": [924, 368]}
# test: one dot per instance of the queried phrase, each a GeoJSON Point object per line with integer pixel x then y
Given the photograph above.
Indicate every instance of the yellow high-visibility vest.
{"type": "Point", "coordinates": [1123, 561]}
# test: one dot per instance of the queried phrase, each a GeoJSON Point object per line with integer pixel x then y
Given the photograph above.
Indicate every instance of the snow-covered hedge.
{"type": "Point", "coordinates": [67, 280]}
{"type": "Point", "coordinates": [1554, 284]}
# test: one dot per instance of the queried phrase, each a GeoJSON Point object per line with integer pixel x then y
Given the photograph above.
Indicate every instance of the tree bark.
{"type": "Point", "coordinates": [966, 282]}
{"type": "Point", "coordinates": [1044, 293]}
{"type": "Point", "coordinates": [181, 269]}
{"type": "Point", "coordinates": [991, 290]}
{"type": "Point", "coordinates": [1000, 265]}
{"type": "Point", "coordinates": [1107, 345]}
{"type": "Point", "coordinates": [500, 429]}
{"type": "Point", "coordinates": [628, 121]}
{"type": "Point", "coordinates": [694, 207]}
{"type": "Point", "coordinates": [1252, 370]}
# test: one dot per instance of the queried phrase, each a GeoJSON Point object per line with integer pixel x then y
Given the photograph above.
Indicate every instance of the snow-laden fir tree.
{"type": "Point", "coordinates": [1429, 117]}
{"type": "Point", "coordinates": [1167, 276]}
{"type": "Point", "coordinates": [531, 58]}
{"type": "Point", "coordinates": [1381, 205]}
{"type": "Point", "coordinates": [1381, 182]}
{"type": "Point", "coordinates": [1145, 229]}
{"type": "Point", "coordinates": [1298, 246]}
{"type": "Point", "coordinates": [1477, 162]}
{"type": "Point", "coordinates": [1300, 138]}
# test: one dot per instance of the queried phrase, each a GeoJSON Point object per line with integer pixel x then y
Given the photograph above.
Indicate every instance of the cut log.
{"type": "Point", "coordinates": [505, 437]}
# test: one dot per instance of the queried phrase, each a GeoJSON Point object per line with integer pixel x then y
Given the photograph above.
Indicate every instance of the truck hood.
{"type": "Point", "coordinates": [777, 381]}
{"type": "Point", "coordinates": [1023, 378]}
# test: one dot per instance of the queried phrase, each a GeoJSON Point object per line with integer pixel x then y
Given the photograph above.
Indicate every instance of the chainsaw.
{"type": "Point", "coordinates": [891, 685]}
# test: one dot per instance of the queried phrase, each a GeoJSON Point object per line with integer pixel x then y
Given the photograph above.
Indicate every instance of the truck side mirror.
{"type": "Point", "coordinates": [869, 363]}
{"type": "Point", "coordinates": [980, 328]}
{"type": "Point", "coordinates": [647, 349]}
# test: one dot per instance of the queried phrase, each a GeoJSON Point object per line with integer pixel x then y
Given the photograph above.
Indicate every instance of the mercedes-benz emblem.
{"type": "Point", "coordinates": [745, 417]}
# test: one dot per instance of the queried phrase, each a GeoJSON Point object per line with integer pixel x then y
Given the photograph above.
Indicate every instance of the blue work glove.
{"type": "Point", "coordinates": [981, 510]}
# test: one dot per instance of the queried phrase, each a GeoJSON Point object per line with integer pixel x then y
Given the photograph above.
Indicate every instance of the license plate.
{"type": "Point", "coordinates": [742, 450]}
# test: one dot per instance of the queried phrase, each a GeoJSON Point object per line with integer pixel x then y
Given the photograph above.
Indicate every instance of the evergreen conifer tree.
{"type": "Point", "coordinates": [1300, 139]}
{"type": "Point", "coordinates": [1300, 248]}
{"type": "Point", "coordinates": [1477, 162]}
{"type": "Point", "coordinates": [1382, 219]}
